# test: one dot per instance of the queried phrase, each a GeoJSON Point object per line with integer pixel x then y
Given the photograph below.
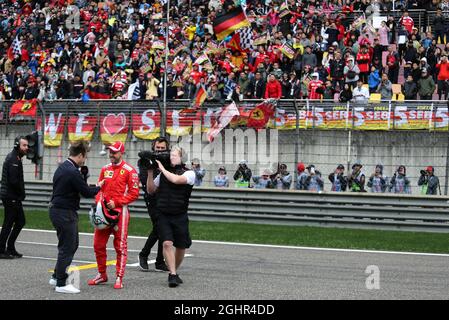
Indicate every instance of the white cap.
{"type": "Point", "coordinates": [315, 74]}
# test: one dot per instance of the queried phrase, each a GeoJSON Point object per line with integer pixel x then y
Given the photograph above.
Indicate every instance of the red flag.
{"type": "Point", "coordinates": [23, 109]}
{"type": "Point", "coordinates": [234, 43]}
{"type": "Point", "coordinates": [259, 116]}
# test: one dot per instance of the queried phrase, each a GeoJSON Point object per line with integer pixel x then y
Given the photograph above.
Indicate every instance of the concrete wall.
{"type": "Point", "coordinates": [324, 149]}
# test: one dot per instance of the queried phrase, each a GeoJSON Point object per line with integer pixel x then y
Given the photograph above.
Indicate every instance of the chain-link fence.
{"type": "Point", "coordinates": [322, 133]}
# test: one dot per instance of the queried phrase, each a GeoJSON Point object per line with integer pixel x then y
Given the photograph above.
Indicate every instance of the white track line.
{"type": "Point", "coordinates": [54, 259]}
{"type": "Point", "coordinates": [83, 247]}
{"type": "Point", "coordinates": [284, 247]}
{"type": "Point", "coordinates": [79, 247]}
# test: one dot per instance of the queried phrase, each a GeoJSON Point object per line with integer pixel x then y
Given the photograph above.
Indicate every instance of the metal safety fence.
{"type": "Point", "coordinates": [323, 133]}
{"type": "Point", "coordinates": [329, 209]}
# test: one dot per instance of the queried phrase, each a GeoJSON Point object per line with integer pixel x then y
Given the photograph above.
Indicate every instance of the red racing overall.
{"type": "Point", "coordinates": [122, 186]}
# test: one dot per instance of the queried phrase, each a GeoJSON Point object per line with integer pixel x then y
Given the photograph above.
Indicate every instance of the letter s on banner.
{"type": "Point", "coordinates": [401, 113]}
{"type": "Point", "coordinates": [148, 122]}
{"type": "Point", "coordinates": [358, 116]}
{"type": "Point", "coordinates": [441, 113]}
{"type": "Point", "coordinates": [318, 116]}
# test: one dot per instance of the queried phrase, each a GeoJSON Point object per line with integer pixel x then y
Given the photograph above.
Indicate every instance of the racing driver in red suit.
{"type": "Point", "coordinates": [121, 187]}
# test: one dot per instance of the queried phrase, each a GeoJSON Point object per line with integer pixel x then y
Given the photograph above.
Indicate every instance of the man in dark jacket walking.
{"type": "Point", "coordinates": [12, 193]}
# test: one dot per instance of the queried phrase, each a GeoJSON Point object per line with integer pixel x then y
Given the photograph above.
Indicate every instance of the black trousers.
{"type": "Point", "coordinates": [66, 224]}
{"type": "Point", "coordinates": [12, 224]}
{"type": "Point", "coordinates": [153, 237]}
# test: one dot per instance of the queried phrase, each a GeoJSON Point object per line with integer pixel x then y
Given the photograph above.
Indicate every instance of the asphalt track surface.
{"type": "Point", "coordinates": [229, 271]}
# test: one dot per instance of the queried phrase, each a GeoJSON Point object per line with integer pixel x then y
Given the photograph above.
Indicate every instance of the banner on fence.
{"type": "Point", "coordinates": [371, 118]}
{"type": "Point", "coordinates": [81, 127]}
{"type": "Point", "coordinates": [114, 127]}
{"type": "Point", "coordinates": [146, 124]}
{"type": "Point", "coordinates": [54, 129]}
{"type": "Point", "coordinates": [335, 117]}
{"type": "Point", "coordinates": [413, 117]}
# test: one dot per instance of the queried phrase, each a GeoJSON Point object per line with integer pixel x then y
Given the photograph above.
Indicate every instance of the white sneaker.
{"type": "Point", "coordinates": [52, 282]}
{"type": "Point", "coordinates": [67, 289]}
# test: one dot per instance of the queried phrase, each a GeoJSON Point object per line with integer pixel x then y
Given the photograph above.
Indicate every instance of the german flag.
{"type": "Point", "coordinates": [200, 96]}
{"type": "Point", "coordinates": [229, 22]}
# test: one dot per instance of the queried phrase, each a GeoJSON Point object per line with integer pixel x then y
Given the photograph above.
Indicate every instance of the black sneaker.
{"type": "Point", "coordinates": [162, 267]}
{"type": "Point", "coordinates": [173, 280]}
{"type": "Point", "coordinates": [143, 263]}
{"type": "Point", "coordinates": [6, 255]}
{"type": "Point", "coordinates": [14, 254]}
{"type": "Point", "coordinates": [179, 279]}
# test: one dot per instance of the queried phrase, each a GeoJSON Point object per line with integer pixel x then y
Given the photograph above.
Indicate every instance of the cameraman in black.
{"type": "Point", "coordinates": [161, 144]}
{"type": "Point", "coordinates": [429, 182]}
{"type": "Point", "coordinates": [12, 193]}
{"type": "Point", "coordinates": [173, 186]}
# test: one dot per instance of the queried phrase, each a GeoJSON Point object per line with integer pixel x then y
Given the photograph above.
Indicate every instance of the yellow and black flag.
{"type": "Point", "coordinates": [229, 22]}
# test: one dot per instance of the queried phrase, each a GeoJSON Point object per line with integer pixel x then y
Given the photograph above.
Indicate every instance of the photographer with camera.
{"type": "Point", "coordinates": [399, 183]}
{"type": "Point", "coordinates": [356, 181]}
{"type": "Point", "coordinates": [429, 182]}
{"type": "Point", "coordinates": [338, 179]}
{"type": "Point", "coordinates": [264, 180]}
{"type": "Point", "coordinates": [282, 178]}
{"type": "Point", "coordinates": [378, 182]}
{"type": "Point", "coordinates": [173, 187]}
{"type": "Point", "coordinates": [199, 172]}
{"type": "Point", "coordinates": [160, 146]}
{"type": "Point", "coordinates": [243, 175]}
{"type": "Point", "coordinates": [314, 182]}
{"type": "Point", "coordinates": [221, 180]}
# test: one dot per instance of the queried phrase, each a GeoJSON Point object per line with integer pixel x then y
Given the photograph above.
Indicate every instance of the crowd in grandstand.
{"type": "Point", "coordinates": [337, 53]}
{"type": "Point", "coordinates": [310, 179]}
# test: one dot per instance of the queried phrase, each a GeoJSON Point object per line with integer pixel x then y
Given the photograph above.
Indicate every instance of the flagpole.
{"type": "Point", "coordinates": [164, 115]}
